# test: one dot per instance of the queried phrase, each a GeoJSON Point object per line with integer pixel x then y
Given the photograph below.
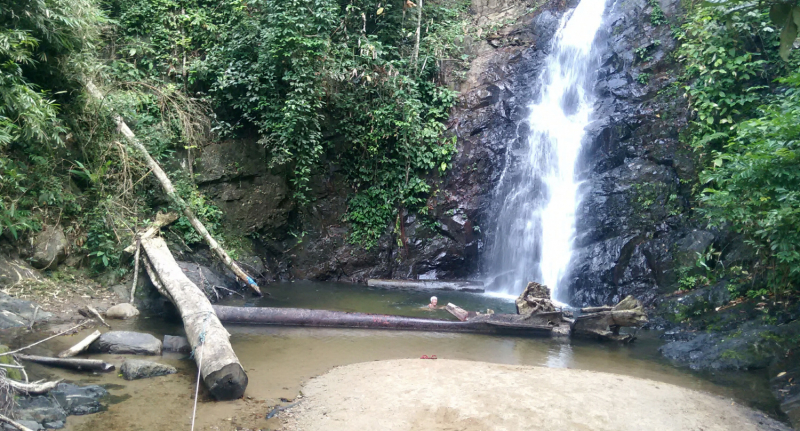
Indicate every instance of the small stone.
{"type": "Point", "coordinates": [55, 425]}
{"type": "Point", "coordinates": [121, 342]}
{"type": "Point", "coordinates": [133, 369]}
{"type": "Point", "coordinates": [122, 311]}
{"type": "Point", "coordinates": [176, 344]}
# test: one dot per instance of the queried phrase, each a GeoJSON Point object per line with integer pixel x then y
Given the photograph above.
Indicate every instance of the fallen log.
{"type": "Point", "coordinates": [170, 191]}
{"type": "Point", "coordinates": [457, 311]}
{"type": "Point", "coordinates": [219, 367]}
{"type": "Point", "coordinates": [71, 363]}
{"type": "Point", "coordinates": [462, 286]}
{"type": "Point", "coordinates": [81, 346]}
{"type": "Point", "coordinates": [606, 324]}
{"type": "Point", "coordinates": [484, 323]}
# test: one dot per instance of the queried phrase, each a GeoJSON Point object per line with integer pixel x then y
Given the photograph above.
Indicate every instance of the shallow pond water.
{"type": "Point", "coordinates": [279, 359]}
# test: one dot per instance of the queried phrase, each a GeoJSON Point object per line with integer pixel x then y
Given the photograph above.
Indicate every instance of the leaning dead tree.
{"type": "Point", "coordinates": [169, 189]}
{"type": "Point", "coordinates": [219, 367]}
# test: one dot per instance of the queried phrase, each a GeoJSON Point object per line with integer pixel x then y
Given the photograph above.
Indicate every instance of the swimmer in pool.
{"type": "Point", "coordinates": [433, 304]}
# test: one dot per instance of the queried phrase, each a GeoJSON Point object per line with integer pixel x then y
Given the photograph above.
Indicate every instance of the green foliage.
{"type": "Point", "coordinates": [756, 184]}
{"type": "Point", "coordinates": [643, 78]}
{"type": "Point", "coordinates": [746, 136]}
{"type": "Point", "coordinates": [657, 16]}
{"type": "Point", "coordinates": [345, 71]}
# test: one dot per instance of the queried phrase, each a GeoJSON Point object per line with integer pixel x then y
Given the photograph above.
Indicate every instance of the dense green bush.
{"type": "Point", "coordinates": [747, 107]}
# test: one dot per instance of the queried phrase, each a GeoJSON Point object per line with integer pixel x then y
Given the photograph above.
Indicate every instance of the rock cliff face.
{"type": "Point", "coordinates": [312, 242]}
{"type": "Point", "coordinates": [632, 225]}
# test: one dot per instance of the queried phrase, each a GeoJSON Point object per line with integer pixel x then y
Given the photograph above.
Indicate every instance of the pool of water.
{"type": "Point", "coordinates": [279, 359]}
{"type": "Point", "coordinates": [360, 298]}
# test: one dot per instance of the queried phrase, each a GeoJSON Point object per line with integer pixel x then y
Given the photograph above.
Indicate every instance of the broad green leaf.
{"type": "Point", "coordinates": [788, 35]}
{"type": "Point", "coordinates": [779, 12]}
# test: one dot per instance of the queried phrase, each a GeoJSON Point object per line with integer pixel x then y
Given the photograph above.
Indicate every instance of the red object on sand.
{"type": "Point", "coordinates": [426, 357]}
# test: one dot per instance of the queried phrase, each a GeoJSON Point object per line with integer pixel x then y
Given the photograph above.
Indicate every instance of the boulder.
{"type": "Point", "coordinates": [13, 271]}
{"type": "Point", "coordinates": [121, 342]}
{"type": "Point", "coordinates": [122, 312]}
{"type": "Point", "coordinates": [535, 299]}
{"type": "Point", "coordinates": [49, 248]}
{"type": "Point", "coordinates": [18, 312]}
{"type": "Point", "coordinates": [133, 369]}
{"type": "Point", "coordinates": [79, 400]}
{"type": "Point", "coordinates": [176, 344]}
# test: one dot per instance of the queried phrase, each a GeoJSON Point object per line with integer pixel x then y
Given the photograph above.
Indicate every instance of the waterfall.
{"type": "Point", "coordinates": [538, 193]}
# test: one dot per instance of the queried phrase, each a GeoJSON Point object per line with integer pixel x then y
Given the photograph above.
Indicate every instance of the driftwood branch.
{"type": "Point", "coordinates": [81, 346]}
{"type": "Point", "coordinates": [219, 367]}
{"type": "Point", "coordinates": [169, 189]}
{"type": "Point", "coordinates": [46, 339]}
{"type": "Point", "coordinates": [71, 363]}
{"type": "Point", "coordinates": [135, 269]}
{"type": "Point", "coordinates": [35, 388]}
{"type": "Point", "coordinates": [96, 313]}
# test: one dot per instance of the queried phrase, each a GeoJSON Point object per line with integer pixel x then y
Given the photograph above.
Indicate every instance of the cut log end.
{"type": "Point", "coordinates": [227, 383]}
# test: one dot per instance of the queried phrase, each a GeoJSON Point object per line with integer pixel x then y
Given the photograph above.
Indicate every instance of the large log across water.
{"type": "Point", "coordinates": [220, 369]}
{"type": "Point", "coordinates": [485, 324]}
{"type": "Point", "coordinates": [459, 285]}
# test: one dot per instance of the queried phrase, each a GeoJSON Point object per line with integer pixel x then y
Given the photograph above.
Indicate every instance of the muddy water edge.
{"type": "Point", "coordinates": [279, 359]}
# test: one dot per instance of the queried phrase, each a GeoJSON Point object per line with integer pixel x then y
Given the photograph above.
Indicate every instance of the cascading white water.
{"type": "Point", "coordinates": [538, 194]}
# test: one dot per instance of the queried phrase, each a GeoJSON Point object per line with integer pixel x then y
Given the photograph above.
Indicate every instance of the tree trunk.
{"type": "Point", "coordinates": [166, 184]}
{"type": "Point", "coordinates": [81, 346]}
{"type": "Point", "coordinates": [71, 363]}
{"type": "Point", "coordinates": [219, 367]}
{"type": "Point", "coordinates": [463, 286]}
{"type": "Point", "coordinates": [485, 324]}
{"type": "Point", "coordinates": [415, 55]}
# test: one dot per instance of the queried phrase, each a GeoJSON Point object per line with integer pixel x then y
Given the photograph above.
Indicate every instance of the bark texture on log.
{"type": "Point", "coordinates": [605, 324]}
{"type": "Point", "coordinates": [463, 286]}
{"type": "Point", "coordinates": [485, 324]}
{"type": "Point", "coordinates": [169, 189]}
{"type": "Point", "coordinates": [534, 299]}
{"type": "Point", "coordinates": [220, 369]}
{"type": "Point", "coordinates": [457, 311]}
{"type": "Point", "coordinates": [81, 346]}
{"type": "Point", "coordinates": [71, 363]}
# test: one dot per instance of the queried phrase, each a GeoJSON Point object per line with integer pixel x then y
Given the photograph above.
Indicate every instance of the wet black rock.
{"type": "Point", "coordinates": [79, 400]}
{"type": "Point", "coordinates": [121, 342]}
{"type": "Point", "coordinates": [633, 227]}
{"type": "Point", "coordinates": [214, 283]}
{"type": "Point", "coordinates": [42, 409]}
{"type": "Point", "coordinates": [133, 369]}
{"type": "Point", "coordinates": [176, 344]}
{"type": "Point", "coordinates": [752, 345]}
{"type": "Point", "coordinates": [50, 411]}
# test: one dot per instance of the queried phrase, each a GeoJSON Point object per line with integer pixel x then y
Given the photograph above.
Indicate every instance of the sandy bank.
{"type": "Point", "coordinates": [439, 395]}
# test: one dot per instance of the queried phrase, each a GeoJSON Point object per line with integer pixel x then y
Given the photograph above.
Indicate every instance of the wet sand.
{"type": "Point", "coordinates": [450, 395]}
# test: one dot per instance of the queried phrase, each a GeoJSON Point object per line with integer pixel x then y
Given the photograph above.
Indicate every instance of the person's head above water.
{"type": "Point", "coordinates": [434, 301]}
